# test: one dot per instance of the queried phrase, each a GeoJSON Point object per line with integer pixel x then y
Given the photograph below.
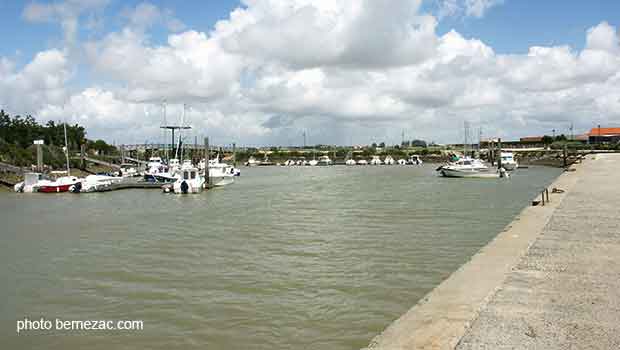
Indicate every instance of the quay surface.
{"type": "Point", "coordinates": [550, 280]}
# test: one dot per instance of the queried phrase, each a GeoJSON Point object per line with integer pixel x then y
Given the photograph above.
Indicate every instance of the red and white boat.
{"type": "Point", "coordinates": [62, 184]}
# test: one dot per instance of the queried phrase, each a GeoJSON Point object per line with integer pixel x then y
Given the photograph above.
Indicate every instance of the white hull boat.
{"type": "Point", "coordinates": [95, 183]}
{"type": "Point", "coordinates": [190, 181]}
{"type": "Point", "coordinates": [376, 161]}
{"type": "Point", "coordinates": [470, 168]}
{"type": "Point", "coordinates": [508, 161]}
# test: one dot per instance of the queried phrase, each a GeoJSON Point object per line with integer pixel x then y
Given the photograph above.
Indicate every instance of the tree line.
{"type": "Point", "coordinates": [17, 134]}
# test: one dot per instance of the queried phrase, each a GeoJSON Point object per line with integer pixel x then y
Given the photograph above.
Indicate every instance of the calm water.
{"type": "Point", "coordinates": [286, 258]}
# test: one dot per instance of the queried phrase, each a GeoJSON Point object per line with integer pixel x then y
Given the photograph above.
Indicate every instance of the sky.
{"type": "Point", "coordinates": [263, 72]}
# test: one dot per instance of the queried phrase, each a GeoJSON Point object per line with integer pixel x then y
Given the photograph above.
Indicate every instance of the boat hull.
{"type": "Point", "coordinates": [469, 174]}
{"type": "Point", "coordinates": [221, 180]}
{"type": "Point", "coordinates": [55, 188]}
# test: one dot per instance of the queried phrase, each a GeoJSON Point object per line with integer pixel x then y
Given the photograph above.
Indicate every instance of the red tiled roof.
{"type": "Point", "coordinates": [604, 131]}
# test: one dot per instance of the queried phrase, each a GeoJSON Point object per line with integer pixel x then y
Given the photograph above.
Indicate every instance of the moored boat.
{"type": "Point", "coordinates": [508, 161]}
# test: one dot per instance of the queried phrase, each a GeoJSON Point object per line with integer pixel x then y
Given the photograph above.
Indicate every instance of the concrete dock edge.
{"type": "Point", "coordinates": [443, 316]}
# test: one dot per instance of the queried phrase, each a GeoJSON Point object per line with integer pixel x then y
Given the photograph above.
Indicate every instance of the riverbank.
{"type": "Point", "coordinates": [538, 284]}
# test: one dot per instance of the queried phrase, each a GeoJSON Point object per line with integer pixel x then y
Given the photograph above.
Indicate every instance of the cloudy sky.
{"type": "Point", "coordinates": [259, 72]}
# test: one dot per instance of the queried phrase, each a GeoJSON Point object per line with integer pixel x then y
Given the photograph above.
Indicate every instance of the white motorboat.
{"type": "Point", "coordinates": [376, 161]}
{"type": "Point", "coordinates": [290, 162]}
{"type": "Point", "coordinates": [190, 181]}
{"type": "Point", "coordinates": [324, 161]}
{"type": "Point", "coordinates": [220, 174]}
{"type": "Point", "coordinates": [362, 162]}
{"type": "Point", "coordinates": [155, 166]}
{"type": "Point", "coordinates": [402, 162]}
{"type": "Point", "coordinates": [95, 183]}
{"type": "Point", "coordinates": [128, 170]}
{"type": "Point", "coordinates": [508, 161]}
{"type": "Point", "coordinates": [350, 161]}
{"type": "Point", "coordinates": [415, 160]}
{"type": "Point", "coordinates": [470, 167]}
{"type": "Point", "coordinates": [389, 160]}
{"type": "Point", "coordinates": [313, 162]}
{"type": "Point", "coordinates": [252, 162]}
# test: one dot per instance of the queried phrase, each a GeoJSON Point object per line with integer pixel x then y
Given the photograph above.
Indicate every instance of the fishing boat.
{"type": "Point", "coordinates": [189, 181]}
{"type": "Point", "coordinates": [508, 161]}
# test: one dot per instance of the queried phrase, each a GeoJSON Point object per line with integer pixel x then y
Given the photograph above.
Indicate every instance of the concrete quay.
{"type": "Point", "coordinates": [550, 280]}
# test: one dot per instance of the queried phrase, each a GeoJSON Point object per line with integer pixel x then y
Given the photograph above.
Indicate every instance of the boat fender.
{"type": "Point", "coordinates": [184, 187]}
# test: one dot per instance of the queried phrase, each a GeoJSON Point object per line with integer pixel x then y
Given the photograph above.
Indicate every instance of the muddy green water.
{"type": "Point", "coordinates": [285, 258]}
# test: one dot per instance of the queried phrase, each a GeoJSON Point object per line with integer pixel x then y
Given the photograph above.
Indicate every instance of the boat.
{"type": "Point", "coordinates": [174, 166]}
{"type": "Point", "coordinates": [128, 170]}
{"type": "Point", "coordinates": [350, 161]}
{"type": "Point", "coordinates": [62, 184]}
{"type": "Point", "coordinates": [157, 171]}
{"type": "Point", "coordinates": [415, 160]}
{"type": "Point", "coordinates": [362, 162]}
{"type": "Point", "coordinates": [252, 162]}
{"type": "Point", "coordinates": [389, 160]}
{"type": "Point", "coordinates": [402, 162]}
{"type": "Point", "coordinates": [220, 174]}
{"type": "Point", "coordinates": [508, 161]}
{"type": "Point", "coordinates": [471, 168]}
{"type": "Point", "coordinates": [376, 161]}
{"type": "Point", "coordinates": [95, 183]}
{"type": "Point", "coordinates": [155, 166]}
{"type": "Point", "coordinates": [324, 161]}
{"type": "Point", "coordinates": [31, 183]}
{"type": "Point", "coordinates": [189, 181]}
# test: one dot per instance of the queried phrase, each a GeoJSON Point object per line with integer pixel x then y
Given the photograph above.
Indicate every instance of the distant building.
{"type": "Point", "coordinates": [604, 135]}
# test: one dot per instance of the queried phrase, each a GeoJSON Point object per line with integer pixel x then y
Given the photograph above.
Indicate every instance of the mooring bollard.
{"type": "Point", "coordinates": [547, 192]}
{"type": "Point", "coordinates": [543, 197]}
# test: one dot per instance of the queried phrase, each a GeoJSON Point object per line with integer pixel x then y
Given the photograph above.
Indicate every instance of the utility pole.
{"type": "Point", "coordinates": [39, 155]}
{"type": "Point", "coordinates": [234, 154]}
